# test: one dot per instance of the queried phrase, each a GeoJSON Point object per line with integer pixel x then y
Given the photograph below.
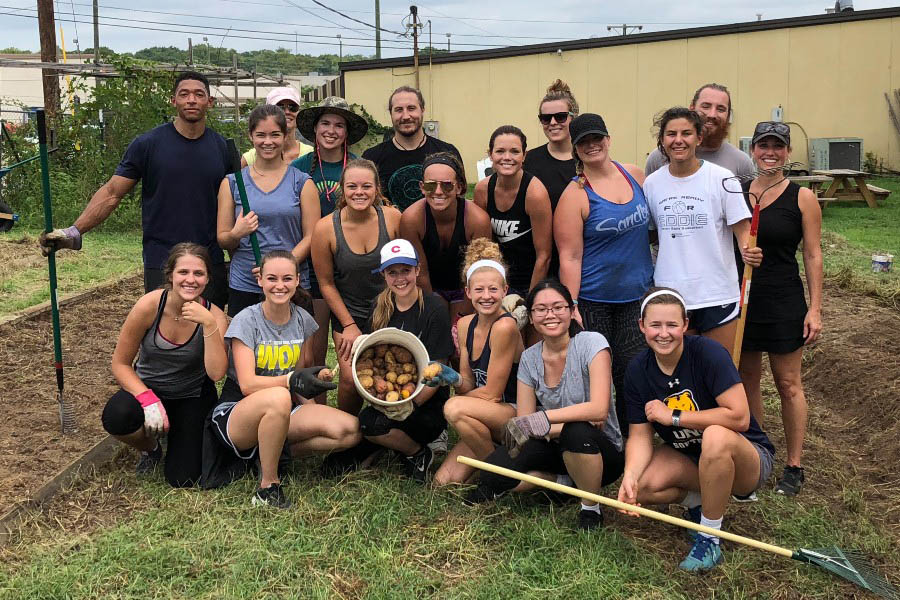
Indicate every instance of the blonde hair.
{"type": "Point", "coordinates": [359, 163]}
{"type": "Point", "coordinates": [559, 90]}
{"type": "Point", "coordinates": [384, 307]}
{"type": "Point", "coordinates": [481, 249]}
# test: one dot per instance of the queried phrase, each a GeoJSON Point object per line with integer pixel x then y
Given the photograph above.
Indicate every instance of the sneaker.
{"type": "Point", "coordinates": [439, 446]}
{"type": "Point", "coordinates": [417, 465]}
{"type": "Point", "coordinates": [589, 519]}
{"type": "Point", "coordinates": [149, 461]}
{"type": "Point", "coordinates": [791, 481]}
{"type": "Point", "coordinates": [692, 515]}
{"type": "Point", "coordinates": [338, 464]}
{"type": "Point", "coordinates": [751, 497]}
{"type": "Point", "coordinates": [480, 495]}
{"type": "Point", "coordinates": [704, 555]}
{"type": "Point", "coordinates": [271, 496]}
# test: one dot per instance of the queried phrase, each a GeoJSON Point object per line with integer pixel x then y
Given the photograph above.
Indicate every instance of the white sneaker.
{"type": "Point", "coordinates": [744, 499]}
{"type": "Point", "coordinates": [439, 446]}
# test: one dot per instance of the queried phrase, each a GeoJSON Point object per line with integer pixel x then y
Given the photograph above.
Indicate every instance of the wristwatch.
{"type": "Point", "coordinates": [676, 418]}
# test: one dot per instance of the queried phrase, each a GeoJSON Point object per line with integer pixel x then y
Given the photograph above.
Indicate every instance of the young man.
{"type": "Point", "coordinates": [712, 102]}
{"type": "Point", "coordinates": [399, 159]}
{"type": "Point", "coordinates": [181, 165]}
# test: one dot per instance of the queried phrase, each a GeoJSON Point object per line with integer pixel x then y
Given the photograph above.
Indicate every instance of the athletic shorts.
{"type": "Point", "coordinates": [221, 414]}
{"type": "Point", "coordinates": [423, 426]}
{"type": "Point", "coordinates": [782, 337]}
{"type": "Point", "coordinates": [710, 317]}
{"type": "Point", "coordinates": [362, 323]}
{"type": "Point", "coordinates": [451, 296]}
{"type": "Point", "coordinates": [766, 463]}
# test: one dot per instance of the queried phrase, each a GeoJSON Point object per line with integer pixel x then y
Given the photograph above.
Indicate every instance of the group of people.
{"type": "Point", "coordinates": [576, 306]}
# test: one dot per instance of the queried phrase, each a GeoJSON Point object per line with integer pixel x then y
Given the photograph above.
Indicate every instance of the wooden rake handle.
{"type": "Point", "coordinates": [731, 537]}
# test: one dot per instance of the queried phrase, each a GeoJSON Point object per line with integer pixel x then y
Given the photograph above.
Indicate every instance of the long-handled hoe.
{"type": "Point", "coordinates": [852, 566]}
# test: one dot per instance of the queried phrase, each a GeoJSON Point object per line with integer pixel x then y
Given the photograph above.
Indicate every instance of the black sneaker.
{"type": "Point", "coordinates": [271, 496]}
{"type": "Point", "coordinates": [589, 519]}
{"type": "Point", "coordinates": [149, 461]}
{"type": "Point", "coordinates": [338, 464]}
{"type": "Point", "coordinates": [791, 481]}
{"type": "Point", "coordinates": [417, 465]}
{"type": "Point", "coordinates": [480, 495]}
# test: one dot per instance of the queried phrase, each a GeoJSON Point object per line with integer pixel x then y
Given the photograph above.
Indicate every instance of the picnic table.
{"type": "Point", "coordinates": [847, 184]}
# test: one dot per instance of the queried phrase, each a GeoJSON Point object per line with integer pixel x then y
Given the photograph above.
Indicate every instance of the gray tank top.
{"type": "Point", "coordinates": [353, 275]}
{"type": "Point", "coordinates": [171, 370]}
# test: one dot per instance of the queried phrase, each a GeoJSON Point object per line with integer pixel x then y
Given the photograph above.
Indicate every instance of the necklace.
{"type": "Point", "coordinates": [404, 148]}
{"type": "Point", "coordinates": [264, 173]}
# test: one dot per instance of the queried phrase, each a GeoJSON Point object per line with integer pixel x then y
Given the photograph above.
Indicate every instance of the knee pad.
{"type": "Point", "coordinates": [372, 423]}
{"type": "Point", "coordinates": [122, 414]}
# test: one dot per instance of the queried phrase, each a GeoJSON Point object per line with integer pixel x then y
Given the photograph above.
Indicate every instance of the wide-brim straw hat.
{"type": "Point", "coordinates": [357, 127]}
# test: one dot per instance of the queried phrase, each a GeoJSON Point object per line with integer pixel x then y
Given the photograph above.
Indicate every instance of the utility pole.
{"type": "Point", "coordinates": [415, 32]}
{"type": "Point", "coordinates": [340, 49]}
{"type": "Point", "coordinates": [96, 35]}
{"type": "Point", "coordinates": [237, 104]}
{"type": "Point", "coordinates": [377, 29]}
{"type": "Point", "coordinates": [448, 42]}
{"type": "Point", "coordinates": [625, 28]}
{"type": "Point", "coordinates": [190, 52]}
{"type": "Point", "coordinates": [49, 77]}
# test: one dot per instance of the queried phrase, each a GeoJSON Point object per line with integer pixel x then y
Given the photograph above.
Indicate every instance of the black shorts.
{"type": "Point", "coordinates": [710, 317]}
{"type": "Point", "coordinates": [361, 322]}
{"type": "Point", "coordinates": [423, 426]}
{"type": "Point", "coordinates": [231, 395]}
{"type": "Point", "coordinates": [216, 290]}
{"type": "Point", "coordinates": [783, 337]}
{"type": "Point", "coordinates": [239, 300]}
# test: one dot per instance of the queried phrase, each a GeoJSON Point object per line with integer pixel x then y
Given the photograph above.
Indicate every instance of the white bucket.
{"type": "Point", "coordinates": [882, 263]}
{"type": "Point", "coordinates": [392, 335]}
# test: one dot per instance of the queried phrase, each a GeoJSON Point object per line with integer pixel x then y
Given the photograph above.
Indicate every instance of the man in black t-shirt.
{"type": "Point", "coordinates": [181, 165]}
{"type": "Point", "coordinates": [399, 159]}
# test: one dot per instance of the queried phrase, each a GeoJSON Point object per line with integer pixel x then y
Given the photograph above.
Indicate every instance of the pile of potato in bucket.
{"type": "Point", "coordinates": [387, 366]}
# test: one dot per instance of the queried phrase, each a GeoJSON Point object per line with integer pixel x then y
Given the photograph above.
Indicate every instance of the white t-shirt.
{"type": "Point", "coordinates": [693, 216]}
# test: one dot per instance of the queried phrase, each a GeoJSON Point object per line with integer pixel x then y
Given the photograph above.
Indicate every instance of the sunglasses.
{"type": "Point", "coordinates": [560, 117]}
{"type": "Point", "coordinates": [772, 127]}
{"type": "Point", "coordinates": [288, 107]}
{"type": "Point", "coordinates": [430, 187]}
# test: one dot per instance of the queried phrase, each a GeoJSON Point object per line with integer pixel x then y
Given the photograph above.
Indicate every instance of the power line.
{"type": "Point", "coordinates": [355, 20]}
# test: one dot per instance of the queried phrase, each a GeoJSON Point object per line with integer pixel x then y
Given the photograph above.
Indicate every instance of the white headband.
{"type": "Point", "coordinates": [485, 263]}
{"type": "Point", "coordinates": [674, 294]}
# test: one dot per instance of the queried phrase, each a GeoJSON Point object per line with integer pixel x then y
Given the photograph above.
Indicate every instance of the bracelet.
{"type": "Point", "coordinates": [348, 324]}
{"type": "Point", "coordinates": [206, 335]}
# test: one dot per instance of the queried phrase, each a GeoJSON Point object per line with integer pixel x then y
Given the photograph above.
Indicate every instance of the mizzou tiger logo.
{"type": "Point", "coordinates": [683, 400]}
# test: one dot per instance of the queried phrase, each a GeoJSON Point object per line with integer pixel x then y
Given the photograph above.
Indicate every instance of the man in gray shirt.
{"type": "Point", "coordinates": [713, 102]}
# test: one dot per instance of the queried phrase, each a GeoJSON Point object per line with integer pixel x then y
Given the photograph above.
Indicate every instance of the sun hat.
{"type": "Point", "coordinates": [283, 93]}
{"type": "Point", "coordinates": [586, 124]}
{"type": "Point", "coordinates": [397, 252]}
{"type": "Point", "coordinates": [357, 127]}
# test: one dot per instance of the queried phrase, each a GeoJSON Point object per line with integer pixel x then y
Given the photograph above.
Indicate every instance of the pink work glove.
{"type": "Point", "coordinates": [156, 421]}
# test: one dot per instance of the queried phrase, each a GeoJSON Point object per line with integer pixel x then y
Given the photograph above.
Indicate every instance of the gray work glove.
{"type": "Point", "coordinates": [58, 239]}
{"type": "Point", "coordinates": [519, 430]}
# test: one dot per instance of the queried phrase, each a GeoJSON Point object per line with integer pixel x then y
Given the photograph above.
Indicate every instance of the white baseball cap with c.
{"type": "Point", "coordinates": [398, 252]}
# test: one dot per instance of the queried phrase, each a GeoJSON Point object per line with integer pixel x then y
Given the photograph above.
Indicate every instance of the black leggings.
{"type": "Point", "coordinates": [619, 325]}
{"type": "Point", "coordinates": [540, 455]}
{"type": "Point", "coordinates": [123, 415]}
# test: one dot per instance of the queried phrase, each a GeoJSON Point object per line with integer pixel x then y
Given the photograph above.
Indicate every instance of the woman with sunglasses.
{"type": "Point", "coordinates": [601, 229]}
{"type": "Point", "coordinates": [779, 322]}
{"type": "Point", "coordinates": [440, 226]}
{"type": "Point", "coordinates": [288, 100]}
{"type": "Point", "coordinates": [333, 127]}
{"type": "Point", "coordinates": [565, 425]}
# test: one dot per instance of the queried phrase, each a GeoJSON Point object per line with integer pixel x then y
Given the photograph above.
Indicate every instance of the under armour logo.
{"type": "Point", "coordinates": [673, 383]}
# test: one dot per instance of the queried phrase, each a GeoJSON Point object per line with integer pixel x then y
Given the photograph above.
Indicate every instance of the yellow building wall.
{"type": "Point", "coordinates": [830, 79]}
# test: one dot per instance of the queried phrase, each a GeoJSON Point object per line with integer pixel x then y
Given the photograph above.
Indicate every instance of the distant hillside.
{"type": "Point", "coordinates": [270, 62]}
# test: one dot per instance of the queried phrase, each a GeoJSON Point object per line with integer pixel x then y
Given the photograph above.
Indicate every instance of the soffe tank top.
{"type": "Point", "coordinates": [512, 229]}
{"type": "Point", "coordinates": [171, 370]}
{"type": "Point", "coordinates": [479, 366]}
{"type": "Point", "coordinates": [616, 265]}
{"type": "Point", "coordinates": [445, 263]}
{"type": "Point", "coordinates": [353, 275]}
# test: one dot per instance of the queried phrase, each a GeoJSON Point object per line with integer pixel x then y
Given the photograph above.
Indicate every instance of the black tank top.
{"type": "Point", "coordinates": [479, 366]}
{"type": "Point", "coordinates": [512, 229]}
{"type": "Point", "coordinates": [776, 293]}
{"type": "Point", "coordinates": [445, 263]}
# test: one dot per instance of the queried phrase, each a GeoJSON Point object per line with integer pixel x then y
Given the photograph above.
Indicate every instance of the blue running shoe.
{"type": "Point", "coordinates": [704, 555]}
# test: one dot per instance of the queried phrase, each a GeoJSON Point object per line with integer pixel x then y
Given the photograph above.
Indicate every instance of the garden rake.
{"type": "Point", "coordinates": [66, 418]}
{"type": "Point", "coordinates": [235, 158]}
{"type": "Point", "coordinates": [751, 242]}
{"type": "Point", "coordinates": [852, 566]}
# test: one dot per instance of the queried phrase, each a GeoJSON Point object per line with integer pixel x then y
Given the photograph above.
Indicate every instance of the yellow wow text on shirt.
{"type": "Point", "coordinates": [277, 357]}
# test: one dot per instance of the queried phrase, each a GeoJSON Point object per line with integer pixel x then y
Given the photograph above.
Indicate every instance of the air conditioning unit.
{"type": "Point", "coordinates": [745, 144]}
{"type": "Point", "coordinates": [836, 153]}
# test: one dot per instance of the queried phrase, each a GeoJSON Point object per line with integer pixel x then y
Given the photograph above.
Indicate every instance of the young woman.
{"type": "Point", "coordinates": [553, 163]}
{"type": "Point", "coordinates": [168, 391]}
{"type": "Point", "coordinates": [333, 128]}
{"type": "Point", "coordinates": [284, 205]}
{"type": "Point", "coordinates": [696, 220]}
{"type": "Point", "coordinates": [346, 257]}
{"type": "Point", "coordinates": [779, 322]}
{"type": "Point", "coordinates": [688, 391]}
{"type": "Point", "coordinates": [566, 424]}
{"type": "Point", "coordinates": [601, 230]}
{"type": "Point", "coordinates": [288, 100]}
{"type": "Point", "coordinates": [403, 305]}
{"type": "Point", "coordinates": [489, 350]}
{"type": "Point", "coordinates": [440, 225]}
{"type": "Point", "coordinates": [266, 404]}
{"type": "Point", "coordinates": [519, 208]}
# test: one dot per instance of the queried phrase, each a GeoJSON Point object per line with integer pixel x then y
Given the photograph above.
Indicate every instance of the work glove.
{"type": "Point", "coordinates": [396, 411]}
{"type": "Point", "coordinates": [447, 376]}
{"type": "Point", "coordinates": [519, 430]}
{"type": "Point", "coordinates": [156, 421]}
{"type": "Point", "coordinates": [58, 239]}
{"type": "Point", "coordinates": [515, 305]}
{"type": "Point", "coordinates": [306, 383]}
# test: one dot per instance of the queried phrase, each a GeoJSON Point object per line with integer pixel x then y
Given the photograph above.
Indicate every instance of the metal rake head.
{"type": "Point", "coordinates": [67, 421]}
{"type": "Point", "coordinates": [852, 566]}
{"type": "Point", "coordinates": [732, 184]}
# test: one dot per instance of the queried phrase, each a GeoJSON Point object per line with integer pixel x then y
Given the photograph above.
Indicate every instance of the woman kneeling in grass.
{"type": "Point", "coordinates": [566, 424]}
{"type": "Point", "coordinates": [686, 389]}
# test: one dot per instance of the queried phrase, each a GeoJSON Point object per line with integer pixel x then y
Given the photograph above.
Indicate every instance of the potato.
{"type": "Point", "coordinates": [380, 350]}
{"type": "Point", "coordinates": [390, 386]}
{"type": "Point", "coordinates": [325, 374]}
{"type": "Point", "coordinates": [364, 364]}
{"type": "Point", "coordinates": [361, 372]}
{"type": "Point", "coordinates": [389, 358]}
{"type": "Point", "coordinates": [403, 355]}
{"type": "Point", "coordinates": [431, 371]}
{"type": "Point", "coordinates": [391, 376]}
{"type": "Point", "coordinates": [408, 367]}
{"type": "Point", "coordinates": [381, 395]}
{"type": "Point", "coordinates": [378, 362]}
{"type": "Point", "coordinates": [392, 397]}
{"type": "Point", "coordinates": [381, 386]}
{"type": "Point", "coordinates": [367, 382]}
{"type": "Point", "coordinates": [402, 379]}
{"type": "Point", "coordinates": [408, 389]}
{"type": "Point", "coordinates": [367, 354]}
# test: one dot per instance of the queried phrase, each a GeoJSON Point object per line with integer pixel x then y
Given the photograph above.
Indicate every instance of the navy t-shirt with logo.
{"type": "Point", "coordinates": [180, 180]}
{"type": "Point", "coordinates": [704, 371]}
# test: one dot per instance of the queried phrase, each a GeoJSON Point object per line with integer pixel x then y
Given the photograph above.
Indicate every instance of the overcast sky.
{"type": "Point", "coordinates": [312, 29]}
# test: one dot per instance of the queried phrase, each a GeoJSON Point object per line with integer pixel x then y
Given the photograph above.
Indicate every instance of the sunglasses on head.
{"type": "Point", "coordinates": [772, 127]}
{"type": "Point", "coordinates": [288, 106]}
{"type": "Point", "coordinates": [430, 187]}
{"type": "Point", "coordinates": [560, 117]}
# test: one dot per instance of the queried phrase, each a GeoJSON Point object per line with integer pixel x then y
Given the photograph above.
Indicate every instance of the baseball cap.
{"type": "Point", "coordinates": [397, 252]}
{"type": "Point", "coordinates": [586, 124]}
{"type": "Point", "coordinates": [776, 129]}
{"type": "Point", "coordinates": [283, 93]}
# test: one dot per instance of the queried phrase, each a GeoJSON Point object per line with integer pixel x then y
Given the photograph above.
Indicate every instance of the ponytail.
{"type": "Point", "coordinates": [384, 307]}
